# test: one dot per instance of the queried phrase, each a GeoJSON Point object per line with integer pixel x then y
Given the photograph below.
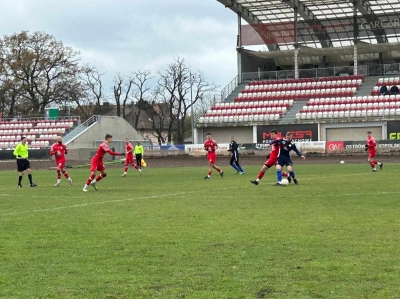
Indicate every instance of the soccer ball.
{"type": "Point", "coordinates": [285, 182]}
{"type": "Point", "coordinates": [341, 162]}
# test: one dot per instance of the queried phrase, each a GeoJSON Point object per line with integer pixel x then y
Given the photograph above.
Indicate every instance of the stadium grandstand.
{"type": "Point", "coordinates": [317, 61]}
{"type": "Point", "coordinates": [40, 132]}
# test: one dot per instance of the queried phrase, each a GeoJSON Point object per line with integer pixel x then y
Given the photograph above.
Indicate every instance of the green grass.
{"type": "Point", "coordinates": [171, 234]}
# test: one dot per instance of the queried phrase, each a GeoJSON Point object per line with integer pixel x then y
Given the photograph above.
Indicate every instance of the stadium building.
{"type": "Point", "coordinates": [319, 72]}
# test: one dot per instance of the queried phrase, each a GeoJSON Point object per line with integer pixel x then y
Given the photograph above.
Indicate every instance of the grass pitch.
{"type": "Point", "coordinates": [171, 234]}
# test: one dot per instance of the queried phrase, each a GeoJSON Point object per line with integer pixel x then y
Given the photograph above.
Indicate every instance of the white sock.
{"type": "Point", "coordinates": [379, 163]}
{"type": "Point", "coordinates": [58, 181]}
{"type": "Point", "coordinates": [257, 180]}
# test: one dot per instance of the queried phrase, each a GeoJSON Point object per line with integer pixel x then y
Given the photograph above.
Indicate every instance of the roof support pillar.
{"type": "Point", "coordinates": [355, 38]}
{"type": "Point", "coordinates": [365, 9]}
{"type": "Point", "coordinates": [310, 19]}
{"type": "Point", "coordinates": [296, 45]}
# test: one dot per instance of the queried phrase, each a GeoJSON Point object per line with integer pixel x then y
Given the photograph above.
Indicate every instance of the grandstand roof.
{"type": "Point", "coordinates": [378, 20]}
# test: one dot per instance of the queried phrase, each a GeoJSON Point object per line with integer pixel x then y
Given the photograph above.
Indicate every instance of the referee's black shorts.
{"type": "Point", "coordinates": [138, 158]}
{"type": "Point", "coordinates": [23, 164]}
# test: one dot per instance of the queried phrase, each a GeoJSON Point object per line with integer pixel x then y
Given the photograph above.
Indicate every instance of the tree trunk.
{"type": "Point", "coordinates": [118, 109]}
{"type": "Point", "coordinates": [137, 116]}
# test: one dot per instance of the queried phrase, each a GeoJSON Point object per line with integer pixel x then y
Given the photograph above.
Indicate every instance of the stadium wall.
{"type": "Point", "coordinates": [353, 131]}
{"type": "Point", "coordinates": [38, 154]}
{"type": "Point", "coordinates": [223, 134]}
{"type": "Point", "coordinates": [381, 130]}
{"type": "Point", "coordinates": [118, 127]}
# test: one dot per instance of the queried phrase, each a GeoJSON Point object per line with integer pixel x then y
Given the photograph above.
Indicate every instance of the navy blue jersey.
{"type": "Point", "coordinates": [287, 147]}
{"type": "Point", "coordinates": [234, 148]}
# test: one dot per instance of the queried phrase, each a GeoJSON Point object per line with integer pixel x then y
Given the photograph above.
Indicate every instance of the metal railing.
{"type": "Point", "coordinates": [365, 70]}
{"type": "Point", "coordinates": [203, 107]}
{"type": "Point", "coordinates": [40, 118]}
{"type": "Point", "coordinates": [79, 130]}
{"type": "Point", "coordinates": [230, 87]}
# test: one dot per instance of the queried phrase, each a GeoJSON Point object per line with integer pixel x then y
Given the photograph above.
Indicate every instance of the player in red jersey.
{"type": "Point", "coordinates": [59, 150]}
{"type": "Point", "coordinates": [129, 157]}
{"type": "Point", "coordinates": [371, 148]}
{"type": "Point", "coordinates": [275, 143]}
{"type": "Point", "coordinates": [98, 164]}
{"type": "Point", "coordinates": [211, 146]}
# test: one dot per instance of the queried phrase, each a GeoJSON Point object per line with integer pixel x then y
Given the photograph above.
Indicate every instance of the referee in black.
{"type": "Point", "coordinates": [21, 153]}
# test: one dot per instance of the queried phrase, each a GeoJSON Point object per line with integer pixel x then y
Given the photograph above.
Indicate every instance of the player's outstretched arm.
{"type": "Point", "coordinates": [276, 141]}
{"type": "Point", "coordinates": [298, 152]}
{"type": "Point", "coordinates": [115, 153]}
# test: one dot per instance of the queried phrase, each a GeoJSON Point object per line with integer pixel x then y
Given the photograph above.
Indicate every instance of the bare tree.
{"type": "Point", "coordinates": [140, 92]}
{"type": "Point", "coordinates": [93, 87]}
{"type": "Point", "coordinates": [159, 114]}
{"type": "Point", "coordinates": [179, 82]}
{"type": "Point", "coordinates": [122, 90]}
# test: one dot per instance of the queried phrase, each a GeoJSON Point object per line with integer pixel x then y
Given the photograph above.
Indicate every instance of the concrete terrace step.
{"type": "Point", "coordinates": [290, 116]}
{"type": "Point", "coordinates": [235, 93]}
{"type": "Point", "coordinates": [367, 86]}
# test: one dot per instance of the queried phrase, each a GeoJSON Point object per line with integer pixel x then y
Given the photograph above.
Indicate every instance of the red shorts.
{"type": "Point", "coordinates": [372, 154]}
{"type": "Point", "coordinates": [97, 166]}
{"type": "Point", "coordinates": [129, 160]}
{"type": "Point", "coordinates": [271, 162]}
{"type": "Point", "coordinates": [60, 163]}
{"type": "Point", "coordinates": [212, 158]}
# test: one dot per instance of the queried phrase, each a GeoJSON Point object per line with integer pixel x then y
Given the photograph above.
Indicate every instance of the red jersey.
{"type": "Point", "coordinates": [59, 151]}
{"type": "Point", "coordinates": [371, 143]}
{"type": "Point", "coordinates": [129, 149]}
{"type": "Point", "coordinates": [275, 148]}
{"type": "Point", "coordinates": [210, 146]}
{"type": "Point", "coordinates": [102, 150]}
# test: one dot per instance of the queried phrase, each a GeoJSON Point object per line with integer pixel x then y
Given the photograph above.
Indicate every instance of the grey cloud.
{"type": "Point", "coordinates": [125, 35]}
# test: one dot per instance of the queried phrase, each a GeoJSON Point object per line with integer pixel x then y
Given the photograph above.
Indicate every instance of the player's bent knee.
{"type": "Point", "coordinates": [104, 175]}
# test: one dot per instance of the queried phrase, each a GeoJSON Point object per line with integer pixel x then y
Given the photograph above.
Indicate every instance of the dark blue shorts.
{"type": "Point", "coordinates": [284, 162]}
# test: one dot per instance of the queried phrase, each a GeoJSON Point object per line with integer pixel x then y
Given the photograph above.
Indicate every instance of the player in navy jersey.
{"type": "Point", "coordinates": [285, 160]}
{"type": "Point", "coordinates": [234, 149]}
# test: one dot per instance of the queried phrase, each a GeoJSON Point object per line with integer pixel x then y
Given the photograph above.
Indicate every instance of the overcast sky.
{"type": "Point", "coordinates": [127, 35]}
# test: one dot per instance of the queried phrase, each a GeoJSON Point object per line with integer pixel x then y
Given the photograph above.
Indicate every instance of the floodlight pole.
{"type": "Point", "coordinates": [355, 38]}
{"type": "Point", "coordinates": [191, 106]}
{"type": "Point", "coordinates": [296, 45]}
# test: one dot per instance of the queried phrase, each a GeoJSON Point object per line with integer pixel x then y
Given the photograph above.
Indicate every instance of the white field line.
{"type": "Point", "coordinates": [183, 193]}
{"type": "Point", "coordinates": [105, 202]}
